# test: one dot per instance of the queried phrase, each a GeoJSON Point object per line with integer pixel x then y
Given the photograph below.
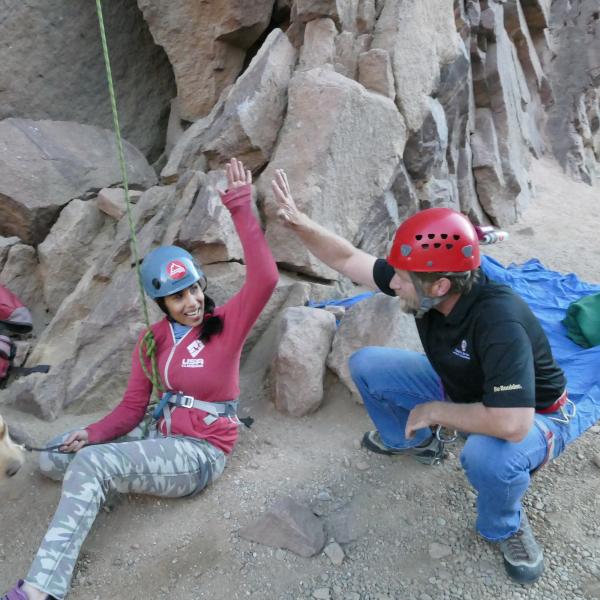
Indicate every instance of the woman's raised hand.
{"type": "Point", "coordinates": [75, 441]}
{"type": "Point", "coordinates": [237, 176]}
{"type": "Point", "coordinates": [287, 210]}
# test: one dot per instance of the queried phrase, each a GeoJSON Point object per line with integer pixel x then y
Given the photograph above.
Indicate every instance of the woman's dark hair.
{"type": "Point", "coordinates": [211, 325]}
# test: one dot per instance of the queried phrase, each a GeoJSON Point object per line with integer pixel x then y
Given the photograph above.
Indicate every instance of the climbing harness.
{"type": "Point", "coordinates": [564, 406]}
{"type": "Point", "coordinates": [213, 410]}
{"type": "Point", "coordinates": [561, 412]}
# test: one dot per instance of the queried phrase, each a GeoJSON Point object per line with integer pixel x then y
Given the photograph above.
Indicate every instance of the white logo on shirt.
{"type": "Point", "coordinates": [195, 348]}
{"type": "Point", "coordinates": [193, 363]}
{"type": "Point", "coordinates": [508, 388]}
{"type": "Point", "coordinates": [462, 351]}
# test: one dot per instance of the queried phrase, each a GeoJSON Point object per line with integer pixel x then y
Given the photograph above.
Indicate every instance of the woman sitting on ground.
{"type": "Point", "coordinates": [198, 348]}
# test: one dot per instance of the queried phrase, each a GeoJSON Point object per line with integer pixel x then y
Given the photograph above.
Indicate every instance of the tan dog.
{"type": "Point", "coordinates": [11, 455]}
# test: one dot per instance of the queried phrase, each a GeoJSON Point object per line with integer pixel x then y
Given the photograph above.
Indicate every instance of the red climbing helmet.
{"type": "Point", "coordinates": [435, 240]}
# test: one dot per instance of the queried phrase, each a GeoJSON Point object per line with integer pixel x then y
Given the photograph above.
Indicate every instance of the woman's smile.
{"type": "Point", "coordinates": [187, 306]}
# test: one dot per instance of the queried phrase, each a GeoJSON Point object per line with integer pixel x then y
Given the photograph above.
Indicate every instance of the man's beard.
{"type": "Point", "coordinates": [408, 306]}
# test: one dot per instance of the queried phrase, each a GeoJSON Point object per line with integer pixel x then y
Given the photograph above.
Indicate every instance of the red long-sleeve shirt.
{"type": "Point", "coordinates": [210, 371]}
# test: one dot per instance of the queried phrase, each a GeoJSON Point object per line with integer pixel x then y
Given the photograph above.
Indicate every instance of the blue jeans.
{"type": "Point", "coordinates": [393, 381]}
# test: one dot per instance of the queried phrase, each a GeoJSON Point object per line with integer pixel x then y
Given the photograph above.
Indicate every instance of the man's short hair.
{"type": "Point", "coordinates": [461, 283]}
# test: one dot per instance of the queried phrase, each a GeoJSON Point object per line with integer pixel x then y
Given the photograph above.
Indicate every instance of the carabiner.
{"type": "Point", "coordinates": [439, 434]}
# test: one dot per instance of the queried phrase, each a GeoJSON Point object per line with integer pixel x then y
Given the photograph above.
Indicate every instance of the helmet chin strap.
{"type": "Point", "coordinates": [426, 303]}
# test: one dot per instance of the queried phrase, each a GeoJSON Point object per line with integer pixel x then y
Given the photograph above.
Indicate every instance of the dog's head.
{"type": "Point", "coordinates": [11, 455]}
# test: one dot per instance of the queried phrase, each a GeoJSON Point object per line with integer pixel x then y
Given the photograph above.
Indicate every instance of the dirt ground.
{"type": "Point", "coordinates": [407, 529]}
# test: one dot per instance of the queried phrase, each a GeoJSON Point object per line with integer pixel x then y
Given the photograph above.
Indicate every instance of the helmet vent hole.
{"type": "Point", "coordinates": [444, 236]}
{"type": "Point", "coordinates": [425, 246]}
{"type": "Point", "coordinates": [449, 246]}
{"type": "Point", "coordinates": [456, 237]}
{"type": "Point", "coordinates": [431, 235]}
{"type": "Point", "coordinates": [156, 284]}
{"type": "Point", "coordinates": [437, 245]}
{"type": "Point", "coordinates": [419, 237]}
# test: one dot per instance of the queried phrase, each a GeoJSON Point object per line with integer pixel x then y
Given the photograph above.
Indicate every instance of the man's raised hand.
{"type": "Point", "coordinates": [287, 210]}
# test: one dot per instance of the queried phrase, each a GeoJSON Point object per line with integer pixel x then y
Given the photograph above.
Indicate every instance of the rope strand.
{"type": "Point", "coordinates": [148, 344]}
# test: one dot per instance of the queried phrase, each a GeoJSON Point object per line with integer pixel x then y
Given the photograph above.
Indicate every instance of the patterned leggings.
{"type": "Point", "coordinates": [169, 467]}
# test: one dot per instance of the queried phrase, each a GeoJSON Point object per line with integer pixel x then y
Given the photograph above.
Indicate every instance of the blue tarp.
{"type": "Point", "coordinates": [549, 294]}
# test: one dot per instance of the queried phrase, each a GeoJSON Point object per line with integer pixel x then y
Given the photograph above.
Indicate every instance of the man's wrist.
{"type": "Point", "coordinates": [433, 412]}
{"type": "Point", "coordinates": [302, 222]}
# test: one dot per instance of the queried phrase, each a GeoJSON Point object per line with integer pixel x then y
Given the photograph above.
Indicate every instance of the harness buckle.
{"type": "Point", "coordinates": [187, 401]}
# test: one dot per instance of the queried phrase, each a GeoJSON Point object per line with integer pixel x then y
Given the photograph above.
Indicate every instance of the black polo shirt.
{"type": "Point", "coordinates": [490, 348]}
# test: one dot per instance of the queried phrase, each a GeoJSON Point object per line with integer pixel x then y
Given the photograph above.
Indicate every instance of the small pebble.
{"type": "Point", "coordinates": [280, 554]}
{"type": "Point", "coordinates": [437, 550]}
{"type": "Point", "coordinates": [335, 553]}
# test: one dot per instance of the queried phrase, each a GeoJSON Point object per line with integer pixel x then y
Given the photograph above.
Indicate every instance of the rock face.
{"type": "Point", "coordinates": [298, 367]}
{"type": "Point", "coordinates": [333, 124]}
{"type": "Point", "coordinates": [574, 70]}
{"type": "Point", "coordinates": [206, 44]}
{"type": "Point", "coordinates": [52, 68]}
{"type": "Point", "coordinates": [44, 164]}
{"type": "Point", "coordinates": [375, 72]}
{"type": "Point", "coordinates": [420, 37]}
{"type": "Point", "coordinates": [68, 250]}
{"type": "Point", "coordinates": [244, 124]}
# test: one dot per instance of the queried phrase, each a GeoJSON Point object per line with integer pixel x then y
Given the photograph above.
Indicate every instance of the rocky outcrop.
{"type": "Point", "coordinates": [246, 122]}
{"type": "Point", "coordinates": [45, 164]}
{"type": "Point", "coordinates": [333, 125]}
{"type": "Point", "coordinates": [420, 37]}
{"type": "Point", "coordinates": [206, 44]}
{"type": "Point", "coordinates": [574, 69]}
{"type": "Point", "coordinates": [70, 248]}
{"type": "Point", "coordinates": [52, 68]}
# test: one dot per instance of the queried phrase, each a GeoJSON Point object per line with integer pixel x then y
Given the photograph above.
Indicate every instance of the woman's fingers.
{"type": "Point", "coordinates": [237, 174]}
{"type": "Point", "coordinates": [240, 175]}
{"type": "Point", "coordinates": [75, 441]}
{"type": "Point", "coordinates": [229, 175]}
{"type": "Point", "coordinates": [70, 439]}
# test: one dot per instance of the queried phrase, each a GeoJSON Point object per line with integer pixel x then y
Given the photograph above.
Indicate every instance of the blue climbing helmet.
{"type": "Point", "coordinates": [169, 269]}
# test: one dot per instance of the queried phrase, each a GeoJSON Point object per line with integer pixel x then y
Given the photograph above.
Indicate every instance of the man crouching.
{"type": "Point", "coordinates": [488, 369]}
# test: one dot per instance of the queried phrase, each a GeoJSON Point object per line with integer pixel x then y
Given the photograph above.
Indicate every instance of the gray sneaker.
{"type": "Point", "coordinates": [523, 556]}
{"type": "Point", "coordinates": [430, 453]}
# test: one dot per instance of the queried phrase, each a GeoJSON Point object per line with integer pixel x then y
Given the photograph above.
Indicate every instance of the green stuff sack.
{"type": "Point", "coordinates": [583, 321]}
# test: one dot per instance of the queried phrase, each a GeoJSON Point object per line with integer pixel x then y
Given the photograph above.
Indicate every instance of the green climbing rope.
{"type": "Point", "coordinates": [148, 344]}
